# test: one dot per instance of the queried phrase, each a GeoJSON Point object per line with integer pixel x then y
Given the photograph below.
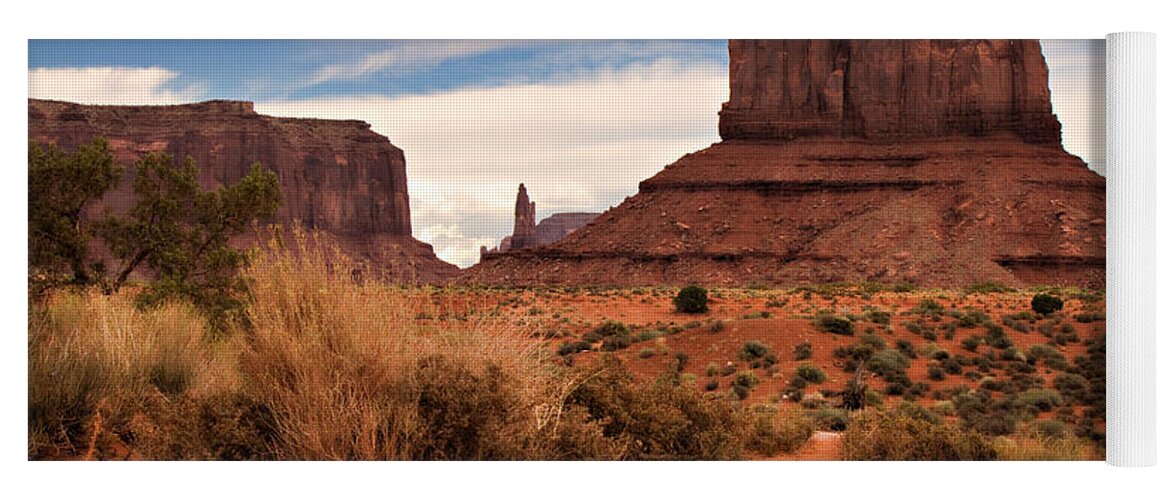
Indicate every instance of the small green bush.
{"type": "Point", "coordinates": [811, 374]}
{"type": "Point", "coordinates": [568, 348]}
{"type": "Point", "coordinates": [834, 324]}
{"type": "Point", "coordinates": [888, 363]}
{"type": "Point", "coordinates": [1040, 400]}
{"type": "Point", "coordinates": [691, 300]}
{"type": "Point", "coordinates": [803, 351]}
{"type": "Point", "coordinates": [752, 350]}
{"type": "Point", "coordinates": [1045, 304]}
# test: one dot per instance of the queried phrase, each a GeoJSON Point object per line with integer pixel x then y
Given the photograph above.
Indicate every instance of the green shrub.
{"type": "Point", "coordinates": [834, 324]}
{"type": "Point", "coordinates": [718, 326]}
{"type": "Point", "coordinates": [1040, 400]}
{"type": "Point", "coordinates": [803, 351]}
{"type": "Point", "coordinates": [660, 419]}
{"type": "Point", "coordinates": [752, 350]}
{"type": "Point", "coordinates": [568, 348]}
{"type": "Point", "coordinates": [811, 374]}
{"type": "Point", "coordinates": [1045, 304]}
{"type": "Point", "coordinates": [1071, 386]}
{"type": "Point", "coordinates": [691, 300]}
{"type": "Point", "coordinates": [888, 363]}
{"type": "Point", "coordinates": [935, 373]}
{"type": "Point", "coordinates": [746, 379]}
{"type": "Point", "coordinates": [830, 419]}
{"type": "Point", "coordinates": [873, 341]}
{"type": "Point", "coordinates": [646, 353]}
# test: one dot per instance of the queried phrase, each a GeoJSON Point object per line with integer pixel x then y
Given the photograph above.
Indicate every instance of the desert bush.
{"type": "Point", "coordinates": [772, 433]}
{"type": "Point", "coordinates": [803, 351]}
{"type": "Point", "coordinates": [717, 326]}
{"type": "Point", "coordinates": [989, 287]}
{"type": "Point", "coordinates": [829, 419]}
{"type": "Point", "coordinates": [658, 420]}
{"type": "Point", "coordinates": [1045, 304]}
{"type": "Point", "coordinates": [879, 317]}
{"type": "Point", "coordinates": [888, 363]}
{"type": "Point", "coordinates": [873, 341]}
{"type": "Point", "coordinates": [568, 348]}
{"type": "Point", "coordinates": [1040, 400]}
{"type": "Point", "coordinates": [811, 374]}
{"type": "Point", "coordinates": [875, 435]}
{"type": "Point", "coordinates": [752, 350]}
{"type": "Point", "coordinates": [646, 352]}
{"type": "Point", "coordinates": [1071, 386]}
{"type": "Point", "coordinates": [691, 300]}
{"type": "Point", "coordinates": [834, 324]}
{"type": "Point", "coordinates": [935, 373]}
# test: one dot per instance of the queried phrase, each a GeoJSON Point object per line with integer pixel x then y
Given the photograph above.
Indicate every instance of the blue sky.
{"type": "Point", "coordinates": [579, 122]}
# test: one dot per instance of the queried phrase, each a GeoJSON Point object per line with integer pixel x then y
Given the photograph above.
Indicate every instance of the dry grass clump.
{"type": "Point", "coordinates": [773, 432]}
{"type": "Point", "coordinates": [95, 360]}
{"type": "Point", "coordinates": [346, 375]}
{"type": "Point", "coordinates": [877, 435]}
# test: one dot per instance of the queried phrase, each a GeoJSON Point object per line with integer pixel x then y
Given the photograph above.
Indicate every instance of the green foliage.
{"type": "Point", "coordinates": [753, 350]}
{"type": "Point", "coordinates": [888, 363]}
{"type": "Point", "coordinates": [60, 188]}
{"type": "Point", "coordinates": [1041, 400]}
{"type": "Point", "coordinates": [1045, 304]}
{"type": "Point", "coordinates": [568, 348]}
{"type": "Point", "coordinates": [658, 420]}
{"type": "Point", "coordinates": [803, 351]}
{"type": "Point", "coordinates": [691, 300]}
{"type": "Point", "coordinates": [834, 324]}
{"type": "Point", "coordinates": [181, 233]}
{"type": "Point", "coordinates": [811, 374]}
{"type": "Point", "coordinates": [989, 287]}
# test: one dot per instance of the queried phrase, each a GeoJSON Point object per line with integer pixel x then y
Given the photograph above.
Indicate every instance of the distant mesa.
{"type": "Point", "coordinates": [336, 176]}
{"type": "Point", "coordinates": [527, 233]}
{"type": "Point", "coordinates": [932, 162]}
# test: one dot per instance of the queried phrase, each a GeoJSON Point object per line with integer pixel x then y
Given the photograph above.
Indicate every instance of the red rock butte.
{"type": "Point", "coordinates": [338, 177]}
{"type": "Point", "coordinates": [933, 162]}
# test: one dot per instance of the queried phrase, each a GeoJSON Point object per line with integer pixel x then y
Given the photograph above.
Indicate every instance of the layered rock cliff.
{"type": "Point", "coordinates": [338, 177]}
{"type": "Point", "coordinates": [885, 90]}
{"type": "Point", "coordinates": [937, 163]}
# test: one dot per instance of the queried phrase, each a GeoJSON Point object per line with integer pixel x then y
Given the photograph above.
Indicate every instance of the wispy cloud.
{"type": "Point", "coordinates": [110, 85]}
{"type": "Point", "coordinates": [579, 145]}
{"type": "Point", "coordinates": [406, 57]}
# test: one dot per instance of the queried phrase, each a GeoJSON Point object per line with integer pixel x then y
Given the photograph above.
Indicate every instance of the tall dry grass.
{"type": "Point", "coordinates": [347, 375]}
{"type": "Point", "coordinates": [97, 358]}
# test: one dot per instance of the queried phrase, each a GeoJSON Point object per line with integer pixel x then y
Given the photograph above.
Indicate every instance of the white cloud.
{"type": "Point", "coordinates": [1077, 84]}
{"type": "Point", "coordinates": [405, 58]}
{"type": "Point", "coordinates": [579, 145]}
{"type": "Point", "coordinates": [109, 85]}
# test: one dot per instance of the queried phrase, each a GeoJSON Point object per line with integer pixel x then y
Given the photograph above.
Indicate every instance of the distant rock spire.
{"type": "Point", "coordinates": [525, 225]}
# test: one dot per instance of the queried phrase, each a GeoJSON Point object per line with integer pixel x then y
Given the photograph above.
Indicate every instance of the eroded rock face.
{"type": "Point", "coordinates": [526, 232]}
{"type": "Point", "coordinates": [855, 176]}
{"type": "Point", "coordinates": [885, 90]}
{"type": "Point", "coordinates": [339, 177]}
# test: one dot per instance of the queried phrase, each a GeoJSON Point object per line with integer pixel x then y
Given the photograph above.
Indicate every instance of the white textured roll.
{"type": "Point", "coordinates": [1130, 247]}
